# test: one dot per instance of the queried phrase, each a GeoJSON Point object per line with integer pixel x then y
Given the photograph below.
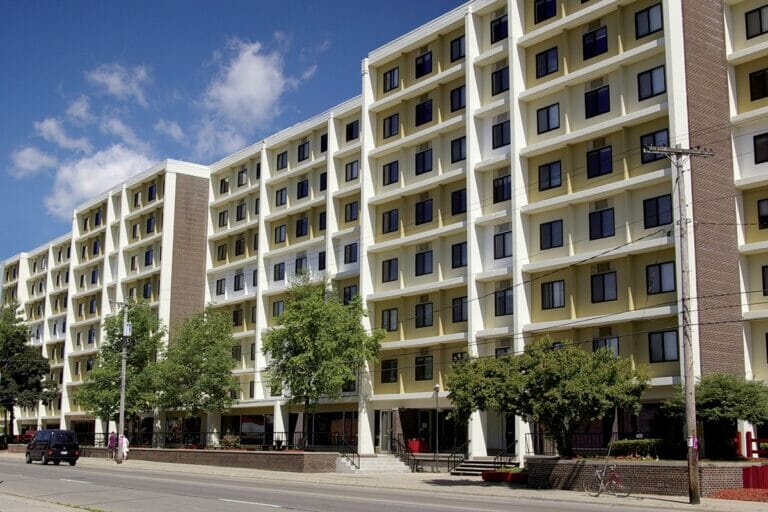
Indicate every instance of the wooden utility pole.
{"type": "Point", "coordinates": [677, 155]}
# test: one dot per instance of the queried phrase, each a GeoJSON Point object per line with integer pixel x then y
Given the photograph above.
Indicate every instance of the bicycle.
{"type": "Point", "coordinates": [607, 479]}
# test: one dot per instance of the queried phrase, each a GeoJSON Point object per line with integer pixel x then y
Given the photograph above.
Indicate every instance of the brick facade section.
{"type": "Point", "coordinates": [714, 210]}
{"type": "Point", "coordinates": [661, 478]}
{"type": "Point", "coordinates": [189, 246]}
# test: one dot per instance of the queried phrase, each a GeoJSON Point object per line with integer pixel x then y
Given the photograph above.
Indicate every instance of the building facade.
{"type": "Point", "coordinates": [488, 187]}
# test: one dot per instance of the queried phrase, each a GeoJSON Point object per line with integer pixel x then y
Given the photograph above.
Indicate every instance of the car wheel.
{"type": "Point", "coordinates": [56, 462]}
{"type": "Point", "coordinates": [43, 460]}
{"type": "Point", "coordinates": [28, 458]}
{"type": "Point", "coordinates": [72, 462]}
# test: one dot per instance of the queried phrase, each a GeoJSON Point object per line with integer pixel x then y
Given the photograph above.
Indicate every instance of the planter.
{"type": "Point", "coordinates": [505, 476]}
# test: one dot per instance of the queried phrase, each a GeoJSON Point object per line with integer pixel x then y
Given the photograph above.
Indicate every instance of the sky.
{"type": "Point", "coordinates": [94, 92]}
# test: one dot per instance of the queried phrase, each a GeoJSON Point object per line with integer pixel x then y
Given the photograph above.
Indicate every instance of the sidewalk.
{"type": "Point", "coordinates": [423, 482]}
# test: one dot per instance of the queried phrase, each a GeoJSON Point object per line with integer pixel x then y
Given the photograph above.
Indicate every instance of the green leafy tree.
{"type": "Point", "coordinates": [561, 387]}
{"type": "Point", "coordinates": [196, 372]}
{"type": "Point", "coordinates": [100, 393]}
{"type": "Point", "coordinates": [319, 343]}
{"type": "Point", "coordinates": [24, 371]}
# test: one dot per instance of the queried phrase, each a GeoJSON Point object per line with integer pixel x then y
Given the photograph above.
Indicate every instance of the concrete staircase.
{"type": "Point", "coordinates": [372, 465]}
{"type": "Point", "coordinates": [474, 467]}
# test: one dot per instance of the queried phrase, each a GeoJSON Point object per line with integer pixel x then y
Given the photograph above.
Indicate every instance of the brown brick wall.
{"type": "Point", "coordinates": [713, 191]}
{"type": "Point", "coordinates": [189, 245]}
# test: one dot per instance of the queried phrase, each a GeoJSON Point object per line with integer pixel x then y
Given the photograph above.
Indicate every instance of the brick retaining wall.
{"type": "Point", "coordinates": [644, 477]}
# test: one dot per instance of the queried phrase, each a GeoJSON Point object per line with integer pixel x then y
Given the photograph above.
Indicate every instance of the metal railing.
{"type": "Point", "coordinates": [506, 457]}
{"type": "Point", "coordinates": [457, 456]}
{"type": "Point", "coordinates": [593, 442]}
{"type": "Point", "coordinates": [348, 451]}
{"type": "Point", "coordinates": [405, 454]}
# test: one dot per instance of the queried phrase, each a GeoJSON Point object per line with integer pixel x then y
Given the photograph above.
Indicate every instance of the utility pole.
{"type": "Point", "coordinates": [677, 155]}
{"type": "Point", "coordinates": [121, 422]}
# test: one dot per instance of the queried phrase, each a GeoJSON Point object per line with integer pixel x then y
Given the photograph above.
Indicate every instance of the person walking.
{"type": "Point", "coordinates": [124, 446]}
{"type": "Point", "coordinates": [111, 445]}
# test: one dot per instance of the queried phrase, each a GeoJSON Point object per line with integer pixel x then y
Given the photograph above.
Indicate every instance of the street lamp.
{"type": "Point", "coordinates": [437, 420]}
{"type": "Point", "coordinates": [127, 330]}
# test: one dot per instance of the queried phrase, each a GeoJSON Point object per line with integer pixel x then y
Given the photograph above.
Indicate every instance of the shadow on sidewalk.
{"type": "Point", "coordinates": [466, 482]}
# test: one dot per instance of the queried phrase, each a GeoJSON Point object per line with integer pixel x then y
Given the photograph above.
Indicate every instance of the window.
{"type": "Point", "coordinates": [548, 118]}
{"type": "Point", "coordinates": [499, 29]}
{"type": "Point", "coordinates": [599, 162]}
{"type": "Point", "coordinates": [423, 263]}
{"type": "Point", "coordinates": [353, 130]}
{"type": "Point", "coordinates": [349, 293]}
{"type": "Point", "coordinates": [94, 277]}
{"type": "Point", "coordinates": [553, 295]}
{"type": "Point", "coordinates": [458, 149]}
{"type": "Point", "coordinates": [303, 151]}
{"type": "Point", "coordinates": [601, 224]}
{"type": "Point", "coordinates": [221, 286]}
{"type": "Point", "coordinates": [391, 125]}
{"type": "Point", "coordinates": [277, 308]}
{"type": "Point", "coordinates": [458, 201]}
{"type": "Point", "coordinates": [321, 260]}
{"type": "Point", "coordinates": [597, 101]}
{"type": "Point", "coordinates": [649, 21]}
{"type": "Point", "coordinates": [97, 246]}
{"type": "Point", "coordinates": [351, 170]}
{"type": "Point", "coordinates": [543, 10]}
{"type": "Point", "coordinates": [89, 364]}
{"type": "Point", "coordinates": [221, 252]}
{"type": "Point", "coordinates": [242, 177]}
{"type": "Point", "coordinates": [502, 245]}
{"type": "Point", "coordinates": [423, 368]}
{"type": "Point", "coordinates": [237, 320]}
{"type": "Point", "coordinates": [502, 189]}
{"type": "Point", "coordinates": [323, 181]}
{"type": "Point", "coordinates": [148, 257]}
{"type": "Point", "coordinates": [546, 62]}
{"type": "Point", "coordinates": [500, 135]}
{"type": "Point", "coordinates": [280, 234]}
{"type": "Point", "coordinates": [389, 270]}
{"type": "Point", "coordinates": [388, 371]}
{"type": "Point", "coordinates": [302, 227]}
{"type": "Point", "coordinates": [651, 83]}
{"type": "Point", "coordinates": [258, 170]}
{"type": "Point", "coordinates": [459, 255]}
{"type": "Point", "coordinates": [152, 192]}
{"type": "Point", "coordinates": [282, 160]}
{"type": "Point", "coordinates": [133, 263]}
{"type": "Point", "coordinates": [424, 315]}
{"type": "Point", "coordinates": [503, 302]}
{"type": "Point", "coordinates": [321, 221]}
{"type": "Point", "coordinates": [238, 281]}
{"type": "Point", "coordinates": [424, 212]}
{"type": "Point", "coordinates": [137, 199]}
{"type": "Point", "coordinates": [255, 279]}
{"type": "Point", "coordinates": [604, 287]}
{"type": "Point", "coordinates": [758, 84]}
{"type": "Point", "coordinates": [389, 319]}
{"type": "Point", "coordinates": [92, 305]}
{"type": "Point", "coordinates": [390, 221]}
{"type": "Point", "coordinates": [551, 234]}
{"type": "Point", "coordinates": [457, 48]}
{"type": "Point", "coordinates": [299, 264]}
{"type": "Point", "coordinates": [391, 172]}
{"type": "Point", "coordinates": [761, 148]}
{"type": "Point", "coordinates": [500, 81]}
{"type": "Point", "coordinates": [659, 138]}
{"type": "Point", "coordinates": [278, 272]}
{"type": "Point", "coordinates": [423, 64]}
{"type": "Point", "coordinates": [459, 309]}
{"type": "Point", "coordinates": [350, 211]}
{"type": "Point", "coordinates": [662, 346]}
{"type": "Point", "coordinates": [423, 161]}
{"type": "Point", "coordinates": [657, 211]}
{"type": "Point", "coordinates": [594, 43]}
{"type": "Point", "coordinates": [302, 188]}
{"type": "Point", "coordinates": [423, 112]}
{"type": "Point", "coordinates": [224, 185]}
{"type": "Point", "coordinates": [324, 143]}
{"type": "Point", "coordinates": [660, 278]}
{"type": "Point", "coordinates": [281, 196]}
{"type": "Point", "coordinates": [97, 218]}
{"type": "Point", "coordinates": [550, 176]}
{"type": "Point", "coordinates": [391, 79]}
{"type": "Point", "coordinates": [610, 343]}
{"type": "Point", "coordinates": [458, 98]}
{"type": "Point", "coordinates": [350, 253]}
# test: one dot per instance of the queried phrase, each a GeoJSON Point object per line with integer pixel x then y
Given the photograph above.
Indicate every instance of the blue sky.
{"type": "Point", "coordinates": [93, 92]}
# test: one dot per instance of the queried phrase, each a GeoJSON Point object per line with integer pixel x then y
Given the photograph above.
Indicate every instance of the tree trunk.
{"type": "Point", "coordinates": [13, 420]}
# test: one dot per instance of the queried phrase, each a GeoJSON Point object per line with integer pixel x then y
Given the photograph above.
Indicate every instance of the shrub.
{"type": "Point", "coordinates": [637, 448]}
{"type": "Point", "coordinates": [230, 441]}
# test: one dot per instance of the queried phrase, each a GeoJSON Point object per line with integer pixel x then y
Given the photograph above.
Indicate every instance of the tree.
{"type": "Point", "coordinates": [319, 343]}
{"type": "Point", "coordinates": [100, 394]}
{"type": "Point", "coordinates": [559, 386]}
{"type": "Point", "coordinates": [24, 371]}
{"type": "Point", "coordinates": [196, 372]}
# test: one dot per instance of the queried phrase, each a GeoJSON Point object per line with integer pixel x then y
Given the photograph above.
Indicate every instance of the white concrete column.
{"type": "Point", "coordinates": [158, 441]}
{"type": "Point", "coordinates": [280, 422]}
{"type": "Point", "coordinates": [213, 429]}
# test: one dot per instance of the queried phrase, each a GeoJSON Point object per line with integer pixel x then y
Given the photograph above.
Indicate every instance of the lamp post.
{"type": "Point", "coordinates": [121, 421]}
{"type": "Point", "coordinates": [437, 421]}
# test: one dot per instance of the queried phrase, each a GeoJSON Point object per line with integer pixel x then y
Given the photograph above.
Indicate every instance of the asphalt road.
{"type": "Point", "coordinates": [123, 489]}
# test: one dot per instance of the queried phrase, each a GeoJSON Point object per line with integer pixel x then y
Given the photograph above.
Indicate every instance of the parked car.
{"type": "Point", "coordinates": [53, 445]}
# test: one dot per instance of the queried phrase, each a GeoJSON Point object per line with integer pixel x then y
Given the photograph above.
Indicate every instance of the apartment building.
{"type": "Point", "coordinates": [487, 188]}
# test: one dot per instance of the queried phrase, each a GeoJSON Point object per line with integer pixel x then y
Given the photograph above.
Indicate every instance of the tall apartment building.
{"type": "Point", "coordinates": [487, 188]}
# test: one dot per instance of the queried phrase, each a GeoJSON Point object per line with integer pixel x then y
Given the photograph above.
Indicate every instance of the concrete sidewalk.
{"type": "Point", "coordinates": [420, 482]}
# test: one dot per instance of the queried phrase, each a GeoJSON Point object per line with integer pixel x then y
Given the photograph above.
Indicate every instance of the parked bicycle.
{"type": "Point", "coordinates": [606, 479]}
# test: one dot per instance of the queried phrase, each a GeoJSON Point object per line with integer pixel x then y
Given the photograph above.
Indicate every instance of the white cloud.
{"type": "Point", "coordinates": [115, 126]}
{"type": "Point", "coordinates": [51, 130]}
{"type": "Point", "coordinates": [309, 73]}
{"type": "Point", "coordinates": [29, 161]}
{"type": "Point", "coordinates": [80, 110]}
{"type": "Point", "coordinates": [121, 82]}
{"type": "Point", "coordinates": [83, 179]}
{"type": "Point", "coordinates": [171, 129]}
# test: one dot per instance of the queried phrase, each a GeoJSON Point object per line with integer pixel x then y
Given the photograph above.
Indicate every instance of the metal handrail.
{"type": "Point", "coordinates": [457, 456]}
{"type": "Point", "coordinates": [506, 456]}
{"type": "Point", "coordinates": [348, 451]}
{"type": "Point", "coordinates": [403, 452]}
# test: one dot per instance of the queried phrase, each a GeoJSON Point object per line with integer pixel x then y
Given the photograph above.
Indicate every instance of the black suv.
{"type": "Point", "coordinates": [54, 446]}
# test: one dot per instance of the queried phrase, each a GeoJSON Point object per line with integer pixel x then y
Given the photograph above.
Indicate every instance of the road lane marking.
{"type": "Point", "coordinates": [75, 481]}
{"type": "Point", "coordinates": [251, 503]}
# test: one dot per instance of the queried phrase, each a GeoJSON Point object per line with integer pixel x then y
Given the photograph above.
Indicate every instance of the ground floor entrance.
{"type": "Point", "coordinates": [420, 430]}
